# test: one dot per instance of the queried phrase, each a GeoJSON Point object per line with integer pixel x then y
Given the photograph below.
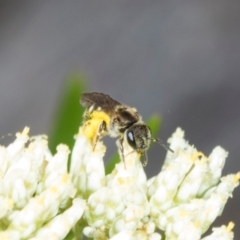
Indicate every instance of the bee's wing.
{"type": "Point", "coordinates": [121, 115]}
{"type": "Point", "coordinates": [99, 100]}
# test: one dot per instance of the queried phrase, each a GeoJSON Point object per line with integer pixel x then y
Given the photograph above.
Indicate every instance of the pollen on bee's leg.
{"type": "Point", "coordinates": [90, 131]}
{"type": "Point", "coordinates": [95, 127]}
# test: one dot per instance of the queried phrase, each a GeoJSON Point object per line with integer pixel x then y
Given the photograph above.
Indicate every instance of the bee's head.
{"type": "Point", "coordinates": [139, 138]}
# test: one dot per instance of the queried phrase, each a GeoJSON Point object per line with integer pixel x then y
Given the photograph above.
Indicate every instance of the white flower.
{"type": "Point", "coordinates": [40, 199]}
{"type": "Point", "coordinates": [35, 189]}
{"type": "Point", "coordinates": [87, 167]}
{"type": "Point", "coordinates": [59, 227]}
{"type": "Point", "coordinates": [221, 233]}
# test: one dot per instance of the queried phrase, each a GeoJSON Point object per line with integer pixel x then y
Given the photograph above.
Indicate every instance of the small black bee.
{"type": "Point", "coordinates": [114, 119]}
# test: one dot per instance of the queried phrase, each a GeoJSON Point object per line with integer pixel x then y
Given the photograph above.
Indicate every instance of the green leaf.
{"type": "Point", "coordinates": [69, 113]}
{"type": "Point", "coordinates": [111, 164]}
{"type": "Point", "coordinates": [70, 236]}
{"type": "Point", "coordinates": [154, 123]}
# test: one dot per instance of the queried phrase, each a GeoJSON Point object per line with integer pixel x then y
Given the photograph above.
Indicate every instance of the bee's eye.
{"type": "Point", "coordinates": [131, 139]}
{"type": "Point", "coordinates": [130, 136]}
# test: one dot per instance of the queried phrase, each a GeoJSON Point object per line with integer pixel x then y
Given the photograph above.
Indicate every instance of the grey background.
{"type": "Point", "coordinates": [177, 58]}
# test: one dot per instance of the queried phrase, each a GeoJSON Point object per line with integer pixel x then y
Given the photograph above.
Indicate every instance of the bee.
{"type": "Point", "coordinates": [110, 117]}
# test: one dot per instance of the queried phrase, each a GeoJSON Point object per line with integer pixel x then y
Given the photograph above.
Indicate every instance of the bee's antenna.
{"type": "Point", "coordinates": [159, 141]}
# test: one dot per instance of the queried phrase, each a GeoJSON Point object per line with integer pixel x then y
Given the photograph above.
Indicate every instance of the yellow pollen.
{"type": "Point", "coordinates": [65, 178]}
{"type": "Point", "coordinates": [25, 131]}
{"type": "Point", "coordinates": [91, 127]}
{"type": "Point", "coordinates": [54, 189]}
{"type": "Point", "coordinates": [41, 200]}
{"type": "Point", "coordinates": [197, 155]}
{"type": "Point", "coordinates": [197, 224]}
{"type": "Point", "coordinates": [122, 181]}
{"type": "Point", "coordinates": [10, 203]}
{"type": "Point", "coordinates": [230, 226]}
{"type": "Point", "coordinates": [237, 177]}
{"type": "Point", "coordinates": [182, 213]}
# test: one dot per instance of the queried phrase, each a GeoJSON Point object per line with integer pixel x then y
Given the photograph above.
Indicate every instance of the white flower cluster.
{"type": "Point", "coordinates": [40, 199]}
{"type": "Point", "coordinates": [36, 192]}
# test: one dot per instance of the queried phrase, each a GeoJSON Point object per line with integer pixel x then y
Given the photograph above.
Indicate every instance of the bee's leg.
{"type": "Point", "coordinates": [86, 116]}
{"type": "Point", "coordinates": [101, 130]}
{"type": "Point", "coordinates": [120, 146]}
{"type": "Point", "coordinates": [145, 160]}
